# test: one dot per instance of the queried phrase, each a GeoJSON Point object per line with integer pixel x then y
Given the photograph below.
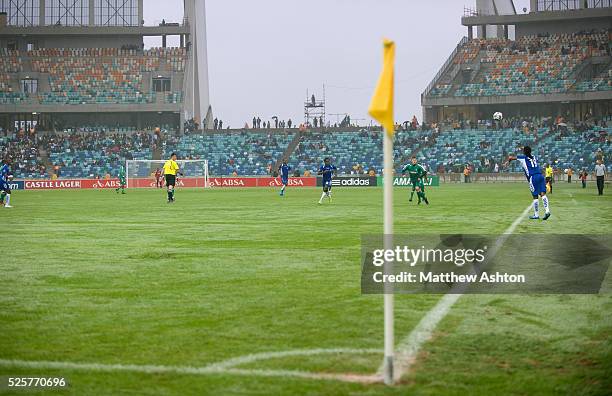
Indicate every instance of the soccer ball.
{"type": "Point", "coordinates": [498, 116]}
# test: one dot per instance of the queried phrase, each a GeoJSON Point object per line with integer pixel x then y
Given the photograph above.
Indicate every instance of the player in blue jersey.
{"type": "Point", "coordinates": [537, 183]}
{"type": "Point", "coordinates": [5, 189]}
{"type": "Point", "coordinates": [283, 171]}
{"type": "Point", "coordinates": [328, 171]}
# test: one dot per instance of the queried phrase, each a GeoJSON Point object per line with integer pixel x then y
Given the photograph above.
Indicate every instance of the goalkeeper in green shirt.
{"type": "Point", "coordinates": [122, 182]}
{"type": "Point", "coordinates": [418, 176]}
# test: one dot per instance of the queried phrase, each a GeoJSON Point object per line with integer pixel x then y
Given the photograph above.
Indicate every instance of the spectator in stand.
{"type": "Point", "coordinates": [600, 174]}
{"type": "Point", "coordinates": [290, 122]}
{"type": "Point", "coordinates": [215, 124]}
{"type": "Point", "coordinates": [254, 122]}
{"type": "Point", "coordinates": [583, 177]}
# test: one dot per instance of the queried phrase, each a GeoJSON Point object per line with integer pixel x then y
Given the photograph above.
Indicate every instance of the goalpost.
{"type": "Point", "coordinates": [141, 173]}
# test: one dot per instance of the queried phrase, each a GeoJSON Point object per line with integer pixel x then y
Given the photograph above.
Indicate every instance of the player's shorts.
{"type": "Point", "coordinates": [537, 185]}
{"type": "Point", "coordinates": [285, 180]}
{"type": "Point", "coordinates": [5, 187]}
{"type": "Point", "coordinates": [548, 180]}
{"type": "Point", "coordinates": [122, 181]}
{"type": "Point", "coordinates": [170, 180]}
{"type": "Point", "coordinates": [416, 184]}
{"type": "Point", "coordinates": [327, 185]}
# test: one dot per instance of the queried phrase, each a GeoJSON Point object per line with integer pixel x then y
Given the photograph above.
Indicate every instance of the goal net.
{"type": "Point", "coordinates": [141, 173]}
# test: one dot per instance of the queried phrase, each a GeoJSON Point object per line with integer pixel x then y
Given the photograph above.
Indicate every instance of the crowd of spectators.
{"type": "Point", "coordinates": [23, 149]}
{"type": "Point", "coordinates": [100, 146]}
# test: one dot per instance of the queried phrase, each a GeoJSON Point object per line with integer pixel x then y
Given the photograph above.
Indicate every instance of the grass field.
{"type": "Point", "coordinates": [95, 277]}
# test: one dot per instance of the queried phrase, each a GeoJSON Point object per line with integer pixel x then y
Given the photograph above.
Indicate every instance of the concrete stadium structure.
{"type": "Point", "coordinates": [498, 22]}
{"type": "Point", "coordinates": [30, 30]}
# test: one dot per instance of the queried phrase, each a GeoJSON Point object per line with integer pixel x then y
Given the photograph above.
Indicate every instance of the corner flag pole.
{"type": "Point", "coordinates": [381, 109]}
{"type": "Point", "coordinates": [388, 245]}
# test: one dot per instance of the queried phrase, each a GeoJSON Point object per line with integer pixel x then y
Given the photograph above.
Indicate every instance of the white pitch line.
{"type": "Point", "coordinates": [409, 347]}
{"type": "Point", "coordinates": [225, 367]}
{"type": "Point", "coordinates": [241, 360]}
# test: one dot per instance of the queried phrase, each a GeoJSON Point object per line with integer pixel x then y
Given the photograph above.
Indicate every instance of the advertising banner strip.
{"type": "Point", "coordinates": [401, 181]}
{"type": "Point", "coordinates": [293, 182]}
{"type": "Point", "coordinates": [351, 181]}
{"type": "Point", "coordinates": [52, 184]}
{"type": "Point", "coordinates": [189, 182]}
{"type": "Point", "coordinates": [16, 185]}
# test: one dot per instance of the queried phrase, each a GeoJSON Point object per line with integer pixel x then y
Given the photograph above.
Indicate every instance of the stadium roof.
{"type": "Point", "coordinates": [537, 17]}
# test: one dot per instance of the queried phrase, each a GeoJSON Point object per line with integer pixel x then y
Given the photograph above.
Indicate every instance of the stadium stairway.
{"type": "Point", "coordinates": [455, 76]}
{"type": "Point", "coordinates": [580, 73]}
{"type": "Point", "coordinates": [289, 150]}
{"type": "Point", "coordinates": [156, 153]}
{"type": "Point", "coordinates": [43, 157]}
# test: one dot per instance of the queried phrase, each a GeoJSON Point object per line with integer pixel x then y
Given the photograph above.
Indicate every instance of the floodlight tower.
{"type": "Point", "coordinates": [197, 101]}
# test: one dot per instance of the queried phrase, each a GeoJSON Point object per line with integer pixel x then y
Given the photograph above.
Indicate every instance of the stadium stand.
{"type": "Point", "coordinates": [10, 62]}
{"type": "Point", "coordinates": [534, 64]}
{"type": "Point", "coordinates": [95, 154]}
{"type": "Point", "coordinates": [346, 148]}
{"type": "Point", "coordinates": [23, 149]}
{"type": "Point", "coordinates": [245, 153]}
{"type": "Point", "coordinates": [90, 75]}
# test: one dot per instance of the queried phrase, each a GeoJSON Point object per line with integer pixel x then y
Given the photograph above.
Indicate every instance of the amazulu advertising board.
{"type": "Point", "coordinates": [401, 181]}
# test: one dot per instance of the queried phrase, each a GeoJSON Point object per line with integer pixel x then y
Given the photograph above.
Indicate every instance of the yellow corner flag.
{"type": "Point", "coordinates": [381, 106]}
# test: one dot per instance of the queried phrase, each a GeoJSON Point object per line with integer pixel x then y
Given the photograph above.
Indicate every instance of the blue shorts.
{"type": "Point", "coordinates": [327, 185]}
{"type": "Point", "coordinates": [537, 185]}
{"type": "Point", "coordinates": [285, 181]}
{"type": "Point", "coordinates": [5, 187]}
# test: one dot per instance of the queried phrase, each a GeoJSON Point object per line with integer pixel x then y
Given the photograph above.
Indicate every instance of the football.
{"type": "Point", "coordinates": [498, 116]}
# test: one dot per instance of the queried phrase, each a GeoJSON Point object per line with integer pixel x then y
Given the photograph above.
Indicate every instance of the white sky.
{"type": "Point", "coordinates": [264, 54]}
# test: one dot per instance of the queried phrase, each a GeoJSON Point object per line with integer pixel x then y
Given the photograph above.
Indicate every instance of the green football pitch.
{"type": "Point", "coordinates": [214, 294]}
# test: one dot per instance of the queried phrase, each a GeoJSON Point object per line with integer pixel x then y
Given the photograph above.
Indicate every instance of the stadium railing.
{"type": "Point", "coordinates": [445, 66]}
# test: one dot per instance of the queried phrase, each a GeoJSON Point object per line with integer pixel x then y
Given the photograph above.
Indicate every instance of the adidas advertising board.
{"type": "Point", "coordinates": [351, 181]}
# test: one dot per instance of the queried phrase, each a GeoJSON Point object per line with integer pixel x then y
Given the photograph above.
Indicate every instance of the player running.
{"type": "Point", "coordinates": [283, 171]}
{"type": "Point", "coordinates": [418, 176]}
{"type": "Point", "coordinates": [122, 182]}
{"type": "Point", "coordinates": [171, 168]}
{"type": "Point", "coordinates": [328, 171]}
{"type": "Point", "coordinates": [537, 184]}
{"type": "Point", "coordinates": [5, 189]}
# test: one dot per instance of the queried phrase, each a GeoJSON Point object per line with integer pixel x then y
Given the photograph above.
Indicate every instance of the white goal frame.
{"type": "Point", "coordinates": [203, 161]}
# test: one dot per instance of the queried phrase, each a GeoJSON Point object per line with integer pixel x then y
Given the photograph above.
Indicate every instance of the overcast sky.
{"type": "Point", "coordinates": [264, 54]}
